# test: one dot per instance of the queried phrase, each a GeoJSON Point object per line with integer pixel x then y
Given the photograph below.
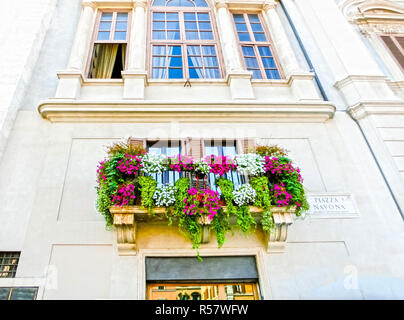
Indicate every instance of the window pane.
{"type": "Point", "coordinates": [265, 51]}
{"type": "Point", "coordinates": [209, 50]}
{"type": "Point", "coordinates": [238, 18]}
{"type": "Point", "coordinates": [192, 35]}
{"type": "Point", "coordinates": [195, 61]}
{"type": "Point", "coordinates": [194, 50]}
{"type": "Point", "coordinates": [174, 51]}
{"type": "Point", "coordinates": [195, 73]}
{"type": "Point", "coordinates": [159, 35]}
{"type": "Point", "coordinates": [206, 35]}
{"type": "Point", "coordinates": [205, 26]}
{"type": "Point", "coordinates": [106, 16]}
{"type": "Point", "coordinates": [103, 35]}
{"type": "Point", "coordinates": [120, 35]}
{"type": "Point", "coordinates": [210, 61]}
{"type": "Point", "coordinates": [4, 292]}
{"type": "Point", "coordinates": [173, 25]}
{"type": "Point", "coordinates": [203, 17]}
{"type": "Point", "coordinates": [191, 26]}
{"type": "Point", "coordinates": [260, 36]}
{"type": "Point", "coordinates": [23, 294]}
{"type": "Point", "coordinates": [175, 74]}
{"type": "Point", "coordinates": [159, 25]}
{"type": "Point", "coordinates": [201, 3]}
{"type": "Point", "coordinates": [248, 51]}
{"type": "Point", "coordinates": [159, 73]}
{"type": "Point", "coordinates": [159, 50]}
{"type": "Point", "coordinates": [180, 3]}
{"type": "Point", "coordinates": [158, 16]}
{"type": "Point", "coordinates": [256, 74]}
{"type": "Point", "coordinates": [172, 16]}
{"type": "Point", "coordinates": [159, 62]}
{"type": "Point", "coordinates": [268, 62]}
{"type": "Point", "coordinates": [241, 27]}
{"type": "Point", "coordinates": [272, 74]}
{"type": "Point", "coordinates": [105, 26]}
{"type": "Point", "coordinates": [212, 73]}
{"type": "Point", "coordinates": [257, 27]}
{"type": "Point", "coordinates": [173, 35]}
{"type": "Point", "coordinates": [122, 16]}
{"type": "Point", "coordinates": [251, 63]}
{"type": "Point", "coordinates": [244, 36]}
{"type": "Point", "coordinates": [189, 16]}
{"type": "Point", "coordinates": [175, 61]}
{"type": "Point", "coordinates": [121, 26]}
{"type": "Point", "coordinates": [253, 18]}
{"type": "Point", "coordinates": [159, 3]}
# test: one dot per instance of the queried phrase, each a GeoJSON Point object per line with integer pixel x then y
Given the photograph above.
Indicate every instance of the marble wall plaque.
{"type": "Point", "coordinates": [332, 206]}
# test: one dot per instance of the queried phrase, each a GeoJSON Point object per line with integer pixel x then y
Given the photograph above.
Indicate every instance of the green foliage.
{"type": "Point", "coordinates": [244, 218]}
{"type": "Point", "coordinates": [188, 225]}
{"type": "Point", "coordinates": [147, 188]}
{"type": "Point", "coordinates": [125, 148]}
{"type": "Point", "coordinates": [263, 200]}
{"type": "Point", "coordinates": [103, 203]}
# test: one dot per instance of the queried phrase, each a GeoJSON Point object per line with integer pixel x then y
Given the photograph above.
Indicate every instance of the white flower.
{"type": "Point", "coordinates": [154, 163]}
{"type": "Point", "coordinates": [164, 195]}
{"type": "Point", "coordinates": [244, 195]}
{"type": "Point", "coordinates": [202, 167]}
{"type": "Point", "coordinates": [250, 163]}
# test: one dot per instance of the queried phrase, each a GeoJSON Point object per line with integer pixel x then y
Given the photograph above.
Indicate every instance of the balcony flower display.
{"type": "Point", "coordinates": [126, 178]}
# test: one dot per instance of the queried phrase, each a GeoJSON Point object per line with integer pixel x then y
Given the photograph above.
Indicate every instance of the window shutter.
{"type": "Point", "coordinates": [246, 145]}
{"type": "Point", "coordinates": [195, 148]}
{"type": "Point", "coordinates": [396, 46]}
{"type": "Point", "coordinates": [137, 142]}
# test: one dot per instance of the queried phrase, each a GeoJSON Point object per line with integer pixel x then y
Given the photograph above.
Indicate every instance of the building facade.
{"type": "Point", "coordinates": [321, 78]}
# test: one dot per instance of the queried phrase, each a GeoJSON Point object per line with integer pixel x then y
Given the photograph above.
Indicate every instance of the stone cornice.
{"type": "Point", "coordinates": [365, 108]}
{"type": "Point", "coordinates": [61, 110]}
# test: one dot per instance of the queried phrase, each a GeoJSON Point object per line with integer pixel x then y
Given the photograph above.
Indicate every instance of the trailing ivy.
{"type": "Point", "coordinates": [103, 203]}
{"type": "Point", "coordinates": [263, 200]}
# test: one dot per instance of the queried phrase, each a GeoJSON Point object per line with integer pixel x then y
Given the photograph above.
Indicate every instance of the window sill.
{"type": "Point", "coordinates": [102, 82]}
{"type": "Point", "coordinates": [183, 81]}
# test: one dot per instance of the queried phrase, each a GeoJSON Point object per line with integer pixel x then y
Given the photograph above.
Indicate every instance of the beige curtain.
{"type": "Point", "coordinates": [123, 56]}
{"type": "Point", "coordinates": [104, 60]}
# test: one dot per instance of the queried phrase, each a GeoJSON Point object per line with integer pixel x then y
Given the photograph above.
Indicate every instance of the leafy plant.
{"type": "Point", "coordinates": [147, 189]}
{"type": "Point", "coordinates": [263, 200]}
{"type": "Point", "coordinates": [270, 151]}
{"type": "Point", "coordinates": [125, 147]}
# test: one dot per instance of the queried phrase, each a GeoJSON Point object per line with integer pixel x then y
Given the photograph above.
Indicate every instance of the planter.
{"type": "Point", "coordinates": [126, 218]}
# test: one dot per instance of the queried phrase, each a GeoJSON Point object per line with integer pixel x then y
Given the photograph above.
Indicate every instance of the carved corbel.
{"type": "Point", "coordinates": [125, 226]}
{"type": "Point", "coordinates": [277, 238]}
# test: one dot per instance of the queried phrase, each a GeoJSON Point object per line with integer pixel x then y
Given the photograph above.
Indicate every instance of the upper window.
{"type": "Point", "coordinates": [8, 264]}
{"type": "Point", "coordinates": [183, 41]}
{"type": "Point", "coordinates": [108, 58]}
{"type": "Point", "coordinates": [256, 47]}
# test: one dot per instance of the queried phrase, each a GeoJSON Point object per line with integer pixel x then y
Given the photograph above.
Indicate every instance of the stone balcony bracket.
{"type": "Point", "coordinates": [125, 220]}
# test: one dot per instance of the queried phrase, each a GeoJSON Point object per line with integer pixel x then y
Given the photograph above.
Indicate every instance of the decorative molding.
{"type": "Point", "coordinates": [374, 16]}
{"type": "Point", "coordinates": [365, 108]}
{"type": "Point", "coordinates": [63, 110]}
